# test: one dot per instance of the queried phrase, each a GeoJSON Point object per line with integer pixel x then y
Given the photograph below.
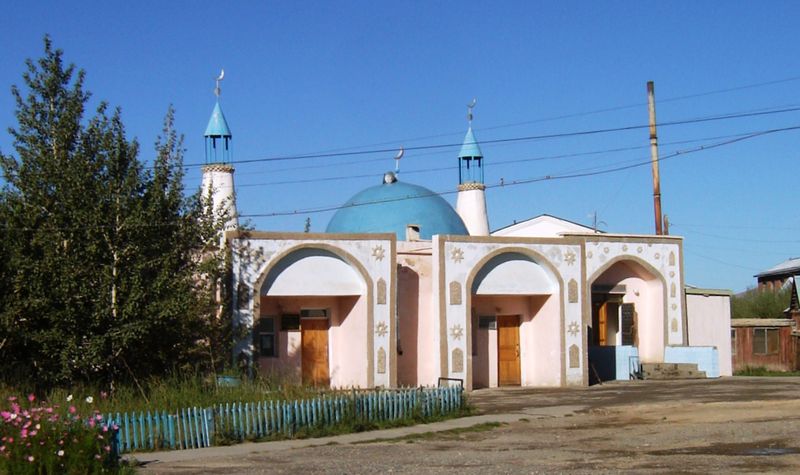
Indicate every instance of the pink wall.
{"type": "Point", "coordinates": [646, 292]}
{"type": "Point", "coordinates": [540, 340]}
{"type": "Point", "coordinates": [347, 357]}
{"type": "Point", "coordinates": [709, 318]}
{"type": "Point", "coordinates": [415, 307]}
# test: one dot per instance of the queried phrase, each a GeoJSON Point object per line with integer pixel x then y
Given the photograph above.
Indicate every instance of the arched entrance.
{"type": "Point", "coordinates": [313, 318]}
{"type": "Point", "coordinates": [627, 318]}
{"type": "Point", "coordinates": [516, 321]}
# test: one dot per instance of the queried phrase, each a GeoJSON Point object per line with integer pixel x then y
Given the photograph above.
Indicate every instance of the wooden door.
{"type": "Point", "coordinates": [602, 324]}
{"type": "Point", "coordinates": [314, 358]}
{"type": "Point", "coordinates": [508, 367]}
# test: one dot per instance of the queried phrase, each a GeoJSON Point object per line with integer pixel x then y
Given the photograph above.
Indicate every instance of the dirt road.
{"type": "Point", "coordinates": [708, 426]}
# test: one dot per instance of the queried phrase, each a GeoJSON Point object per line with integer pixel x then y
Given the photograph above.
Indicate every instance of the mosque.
{"type": "Point", "coordinates": [404, 290]}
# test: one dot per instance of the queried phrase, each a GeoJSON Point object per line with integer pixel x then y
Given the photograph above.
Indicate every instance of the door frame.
{"type": "Point", "coordinates": [518, 319]}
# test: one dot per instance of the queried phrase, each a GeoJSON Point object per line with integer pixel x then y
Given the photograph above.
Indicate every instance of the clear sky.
{"type": "Point", "coordinates": [308, 77]}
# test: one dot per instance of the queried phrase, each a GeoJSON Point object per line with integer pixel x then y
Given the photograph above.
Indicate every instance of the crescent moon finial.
{"type": "Point", "coordinates": [471, 106]}
{"type": "Point", "coordinates": [397, 158]}
{"type": "Point", "coordinates": [221, 76]}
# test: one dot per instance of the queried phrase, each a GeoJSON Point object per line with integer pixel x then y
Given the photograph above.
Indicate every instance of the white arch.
{"type": "Point", "coordinates": [312, 271]}
{"type": "Point", "coordinates": [514, 273]}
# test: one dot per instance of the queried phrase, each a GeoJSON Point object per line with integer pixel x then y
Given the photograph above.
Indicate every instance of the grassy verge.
{"type": "Point", "coordinates": [761, 371]}
{"type": "Point", "coordinates": [168, 394]}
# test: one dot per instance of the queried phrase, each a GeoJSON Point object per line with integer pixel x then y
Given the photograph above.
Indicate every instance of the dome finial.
{"type": "Point", "coordinates": [217, 89]}
{"type": "Point", "coordinates": [471, 106]}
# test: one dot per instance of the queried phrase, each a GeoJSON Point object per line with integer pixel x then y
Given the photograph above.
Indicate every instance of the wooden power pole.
{"type": "Point", "coordinates": [651, 105]}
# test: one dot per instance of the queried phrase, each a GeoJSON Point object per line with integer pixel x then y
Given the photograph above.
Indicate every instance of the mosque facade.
{"type": "Point", "coordinates": [404, 290]}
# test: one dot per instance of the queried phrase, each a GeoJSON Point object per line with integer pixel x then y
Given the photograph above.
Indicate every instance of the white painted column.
{"type": "Point", "coordinates": [218, 182]}
{"type": "Point", "coordinates": [471, 207]}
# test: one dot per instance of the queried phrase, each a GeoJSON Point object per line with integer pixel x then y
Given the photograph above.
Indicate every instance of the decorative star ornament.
{"type": "Point", "coordinates": [381, 329]}
{"type": "Point", "coordinates": [457, 254]}
{"type": "Point", "coordinates": [569, 258]}
{"type": "Point", "coordinates": [378, 252]}
{"type": "Point", "coordinates": [573, 329]}
{"type": "Point", "coordinates": [456, 332]}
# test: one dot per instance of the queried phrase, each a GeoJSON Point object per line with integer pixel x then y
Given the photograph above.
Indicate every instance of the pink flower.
{"type": "Point", "coordinates": [72, 409]}
{"type": "Point", "coordinates": [2, 448]}
{"type": "Point", "coordinates": [5, 414]}
{"type": "Point", "coordinates": [103, 395]}
{"type": "Point", "coordinates": [31, 397]}
{"type": "Point", "coordinates": [105, 428]}
{"type": "Point", "coordinates": [98, 417]}
{"type": "Point", "coordinates": [30, 458]}
{"type": "Point", "coordinates": [12, 398]}
{"type": "Point", "coordinates": [107, 448]}
{"type": "Point", "coordinates": [97, 456]}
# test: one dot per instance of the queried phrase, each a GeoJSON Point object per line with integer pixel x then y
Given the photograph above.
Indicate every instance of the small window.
{"type": "Point", "coordinates": [765, 341]}
{"type": "Point", "coordinates": [266, 337]}
{"type": "Point", "coordinates": [489, 323]}
{"type": "Point", "coordinates": [733, 341]}
{"type": "Point", "coordinates": [314, 313]}
{"type": "Point", "coordinates": [290, 323]}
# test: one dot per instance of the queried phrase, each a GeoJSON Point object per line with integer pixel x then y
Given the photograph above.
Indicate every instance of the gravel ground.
{"type": "Point", "coordinates": [744, 425]}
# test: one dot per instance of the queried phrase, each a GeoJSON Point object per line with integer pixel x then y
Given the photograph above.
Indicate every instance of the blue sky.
{"type": "Point", "coordinates": [309, 77]}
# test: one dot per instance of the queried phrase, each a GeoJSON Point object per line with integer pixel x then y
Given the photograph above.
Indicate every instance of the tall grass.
{"type": "Point", "coordinates": [169, 393]}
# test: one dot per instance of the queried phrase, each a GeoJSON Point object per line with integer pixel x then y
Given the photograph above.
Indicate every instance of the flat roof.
{"type": "Point", "coordinates": [761, 322]}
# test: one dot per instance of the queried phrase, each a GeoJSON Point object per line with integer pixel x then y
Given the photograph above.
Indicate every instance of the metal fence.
{"type": "Point", "coordinates": [195, 427]}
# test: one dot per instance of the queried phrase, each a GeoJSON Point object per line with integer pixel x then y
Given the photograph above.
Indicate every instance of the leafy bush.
{"type": "Point", "coordinates": [756, 303]}
{"type": "Point", "coordinates": [49, 438]}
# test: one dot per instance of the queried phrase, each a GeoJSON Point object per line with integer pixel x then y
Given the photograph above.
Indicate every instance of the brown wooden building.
{"type": "Point", "coordinates": [769, 343]}
{"type": "Point", "coordinates": [775, 278]}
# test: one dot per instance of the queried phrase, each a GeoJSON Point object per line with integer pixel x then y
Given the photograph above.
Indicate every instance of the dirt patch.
{"type": "Point", "coordinates": [723, 426]}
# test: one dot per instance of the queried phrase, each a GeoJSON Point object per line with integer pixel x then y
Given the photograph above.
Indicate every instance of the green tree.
{"type": "Point", "coordinates": [755, 303]}
{"type": "Point", "coordinates": [102, 256]}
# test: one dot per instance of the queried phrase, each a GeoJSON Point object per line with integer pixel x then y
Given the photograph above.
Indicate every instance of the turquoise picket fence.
{"type": "Point", "coordinates": [192, 428]}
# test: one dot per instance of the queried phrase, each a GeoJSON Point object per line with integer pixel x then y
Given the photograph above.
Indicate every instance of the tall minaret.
{"type": "Point", "coordinates": [217, 172]}
{"type": "Point", "coordinates": [471, 202]}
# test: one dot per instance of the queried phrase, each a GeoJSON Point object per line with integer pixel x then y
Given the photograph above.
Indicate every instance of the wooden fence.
{"type": "Point", "coordinates": [195, 427]}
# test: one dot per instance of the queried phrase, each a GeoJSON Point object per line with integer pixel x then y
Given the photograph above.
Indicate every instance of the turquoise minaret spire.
{"type": "Point", "coordinates": [471, 201]}
{"type": "Point", "coordinates": [218, 172]}
{"type": "Point", "coordinates": [218, 135]}
{"type": "Point", "coordinates": [470, 158]}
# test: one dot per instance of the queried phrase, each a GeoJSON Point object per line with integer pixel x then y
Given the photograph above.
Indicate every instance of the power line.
{"type": "Point", "coordinates": [575, 115]}
{"type": "Point", "coordinates": [503, 183]}
{"type": "Point", "coordinates": [493, 163]}
{"type": "Point", "coordinates": [720, 261]}
{"type": "Point", "coordinates": [517, 139]}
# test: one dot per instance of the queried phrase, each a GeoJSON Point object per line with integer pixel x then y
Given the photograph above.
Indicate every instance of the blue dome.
{"type": "Point", "coordinates": [391, 206]}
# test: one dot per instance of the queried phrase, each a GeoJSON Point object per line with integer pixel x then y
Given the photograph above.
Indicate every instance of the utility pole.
{"type": "Point", "coordinates": [651, 105]}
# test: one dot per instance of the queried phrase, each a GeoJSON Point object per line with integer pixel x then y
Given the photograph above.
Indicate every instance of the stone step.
{"type": "Point", "coordinates": [671, 371]}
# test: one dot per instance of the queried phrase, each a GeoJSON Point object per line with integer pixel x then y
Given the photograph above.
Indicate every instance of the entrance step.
{"type": "Point", "coordinates": [671, 371]}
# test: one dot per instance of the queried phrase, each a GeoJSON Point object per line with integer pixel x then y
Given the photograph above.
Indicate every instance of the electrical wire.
{"type": "Point", "coordinates": [516, 139]}
{"type": "Point", "coordinates": [503, 183]}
